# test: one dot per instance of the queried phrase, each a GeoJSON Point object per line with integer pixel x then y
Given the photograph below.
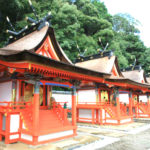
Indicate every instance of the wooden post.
{"type": "Point", "coordinates": [101, 116]}
{"type": "Point", "coordinates": [130, 103]}
{"type": "Point", "coordinates": [44, 95]}
{"type": "Point", "coordinates": [14, 89]}
{"type": "Point", "coordinates": [20, 88]}
{"type": "Point", "coordinates": [101, 108]}
{"type": "Point", "coordinates": [148, 103]}
{"type": "Point", "coordinates": [77, 115]}
{"type": "Point", "coordinates": [97, 103]}
{"type": "Point", "coordinates": [49, 94]}
{"type": "Point", "coordinates": [36, 105]}
{"type": "Point", "coordinates": [97, 118]}
{"type": "Point", "coordinates": [23, 88]}
{"type": "Point", "coordinates": [77, 96]}
{"type": "Point", "coordinates": [74, 110]}
{"type": "Point", "coordinates": [1, 124]}
{"type": "Point", "coordinates": [93, 116]}
{"type": "Point", "coordinates": [7, 129]}
{"type": "Point", "coordinates": [97, 96]}
{"type": "Point", "coordinates": [137, 113]}
{"type": "Point", "coordinates": [108, 96]}
{"type": "Point", "coordinates": [118, 105]}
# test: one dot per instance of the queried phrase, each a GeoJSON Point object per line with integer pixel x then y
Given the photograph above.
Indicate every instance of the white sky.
{"type": "Point", "coordinates": [139, 9]}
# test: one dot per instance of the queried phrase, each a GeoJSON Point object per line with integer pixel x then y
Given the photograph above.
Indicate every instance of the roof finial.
{"type": "Point", "coordinates": [104, 48]}
{"type": "Point", "coordinates": [8, 20]}
{"type": "Point", "coordinates": [9, 31]}
{"type": "Point", "coordinates": [133, 66]}
{"type": "Point", "coordinates": [81, 54]}
{"type": "Point", "coordinates": [35, 14]}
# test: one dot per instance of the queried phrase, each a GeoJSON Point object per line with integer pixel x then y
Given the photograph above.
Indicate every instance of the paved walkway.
{"type": "Point", "coordinates": [134, 136]}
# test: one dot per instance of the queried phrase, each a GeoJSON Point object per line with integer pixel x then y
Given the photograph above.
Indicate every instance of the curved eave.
{"type": "Point", "coordinates": [60, 53]}
{"type": "Point", "coordinates": [32, 58]}
{"type": "Point", "coordinates": [31, 34]}
{"type": "Point", "coordinates": [117, 66]}
{"type": "Point", "coordinates": [135, 73]}
{"type": "Point", "coordinates": [124, 82]}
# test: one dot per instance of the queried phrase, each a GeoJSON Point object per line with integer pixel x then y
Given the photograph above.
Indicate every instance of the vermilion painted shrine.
{"type": "Point", "coordinates": [33, 62]}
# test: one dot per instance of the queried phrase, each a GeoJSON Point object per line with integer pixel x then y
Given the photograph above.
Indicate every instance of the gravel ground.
{"type": "Point", "coordinates": [139, 141]}
{"type": "Point", "coordinates": [90, 137]}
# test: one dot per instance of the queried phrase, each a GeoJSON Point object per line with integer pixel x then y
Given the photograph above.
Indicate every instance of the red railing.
{"type": "Point", "coordinates": [13, 106]}
{"type": "Point", "coordinates": [61, 112]}
{"type": "Point", "coordinates": [144, 107]}
{"type": "Point", "coordinates": [95, 103]}
{"type": "Point", "coordinates": [123, 109]}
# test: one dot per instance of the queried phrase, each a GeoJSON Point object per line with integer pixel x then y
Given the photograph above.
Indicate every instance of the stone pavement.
{"type": "Point", "coordinates": [94, 137]}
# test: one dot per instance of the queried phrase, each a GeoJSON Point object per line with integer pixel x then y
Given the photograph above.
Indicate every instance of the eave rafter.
{"type": "Point", "coordinates": [49, 71]}
{"type": "Point", "coordinates": [127, 85]}
{"type": "Point", "coordinates": [54, 72]}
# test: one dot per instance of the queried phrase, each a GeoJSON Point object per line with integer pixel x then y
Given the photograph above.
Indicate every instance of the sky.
{"type": "Point", "coordinates": [139, 9]}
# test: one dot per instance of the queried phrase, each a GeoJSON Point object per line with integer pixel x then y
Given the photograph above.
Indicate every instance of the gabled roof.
{"type": "Point", "coordinates": [41, 41]}
{"type": "Point", "coordinates": [31, 46]}
{"type": "Point", "coordinates": [106, 63]}
{"type": "Point", "coordinates": [137, 74]}
{"type": "Point", "coordinates": [33, 59]}
{"type": "Point", "coordinates": [128, 83]}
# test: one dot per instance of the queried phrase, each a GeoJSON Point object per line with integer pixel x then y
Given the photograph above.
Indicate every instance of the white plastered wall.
{"type": "Point", "coordinates": [55, 135]}
{"type": "Point", "coordinates": [126, 120]}
{"type": "Point", "coordinates": [86, 114]}
{"type": "Point", "coordinates": [143, 98]}
{"type": "Point", "coordinates": [48, 136]}
{"type": "Point", "coordinates": [6, 91]}
{"type": "Point", "coordinates": [26, 137]}
{"type": "Point", "coordinates": [14, 125]}
{"type": "Point", "coordinates": [124, 98]}
{"type": "Point", "coordinates": [63, 98]}
{"type": "Point", "coordinates": [86, 96]}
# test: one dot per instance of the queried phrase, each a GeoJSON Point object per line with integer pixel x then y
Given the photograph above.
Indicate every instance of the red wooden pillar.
{"type": "Point", "coordinates": [100, 110]}
{"type": "Point", "coordinates": [137, 107]}
{"type": "Point", "coordinates": [97, 103]}
{"type": "Point", "coordinates": [101, 116]}
{"type": "Point", "coordinates": [1, 124]}
{"type": "Point", "coordinates": [148, 103]}
{"type": "Point", "coordinates": [97, 118]}
{"type": "Point", "coordinates": [77, 115]}
{"type": "Point", "coordinates": [130, 104]}
{"type": "Point", "coordinates": [7, 129]}
{"type": "Point", "coordinates": [118, 105]}
{"type": "Point", "coordinates": [44, 95]}
{"type": "Point", "coordinates": [23, 90]}
{"type": "Point", "coordinates": [20, 127]}
{"type": "Point", "coordinates": [93, 116]}
{"type": "Point", "coordinates": [74, 110]}
{"type": "Point", "coordinates": [36, 105]}
{"type": "Point", "coordinates": [77, 93]}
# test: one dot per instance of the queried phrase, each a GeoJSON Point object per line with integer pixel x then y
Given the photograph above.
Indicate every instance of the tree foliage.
{"type": "Point", "coordinates": [82, 23]}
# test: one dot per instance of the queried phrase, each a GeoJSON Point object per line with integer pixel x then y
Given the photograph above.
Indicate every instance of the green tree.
{"type": "Point", "coordinates": [82, 23]}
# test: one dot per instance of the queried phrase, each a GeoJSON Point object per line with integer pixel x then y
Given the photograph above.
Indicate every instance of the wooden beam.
{"type": "Point", "coordinates": [130, 103]}
{"type": "Point", "coordinates": [36, 105]}
{"type": "Point", "coordinates": [74, 109]}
